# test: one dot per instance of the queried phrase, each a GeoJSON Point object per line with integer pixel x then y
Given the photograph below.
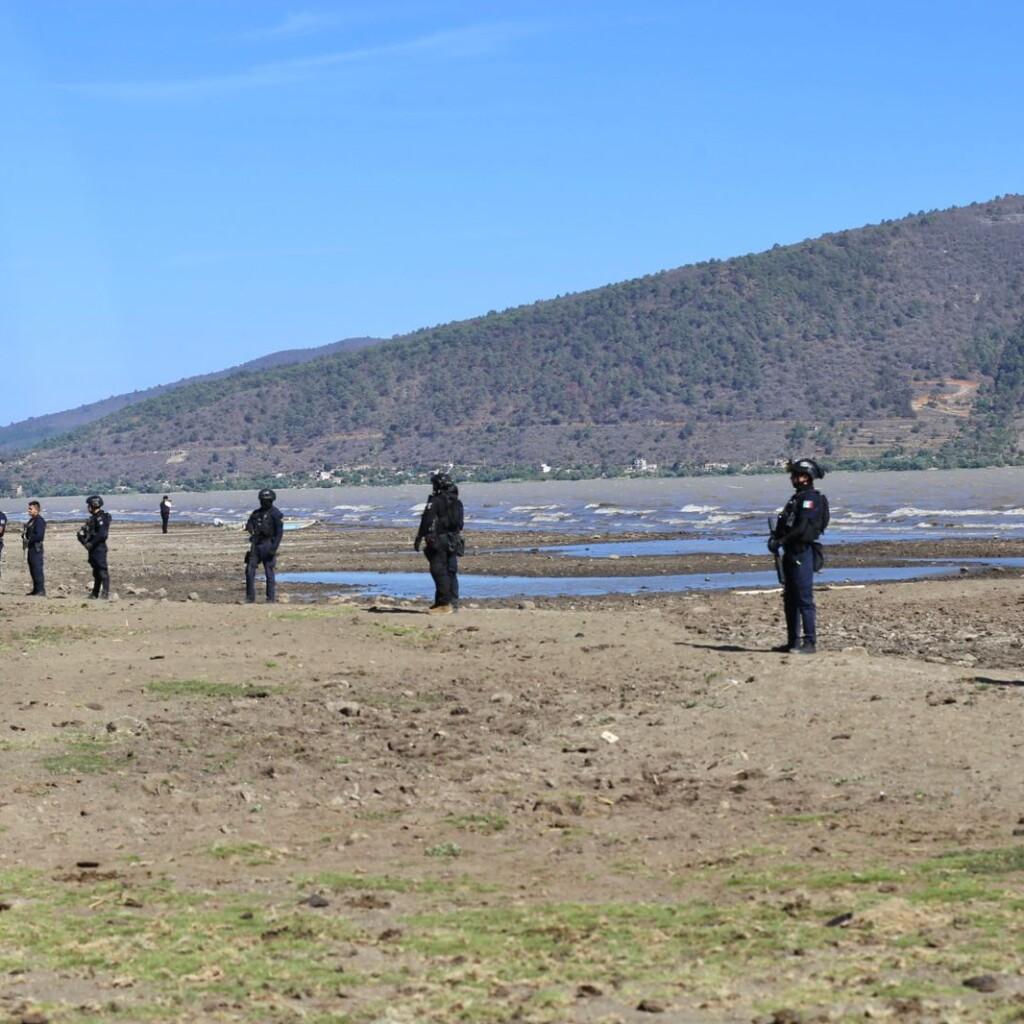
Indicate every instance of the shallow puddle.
{"type": "Point", "coordinates": [419, 584]}
{"type": "Point", "coordinates": [734, 545]}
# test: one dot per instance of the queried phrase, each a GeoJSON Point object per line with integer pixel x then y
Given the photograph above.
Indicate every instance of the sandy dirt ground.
{"type": "Point", "coordinates": [609, 810]}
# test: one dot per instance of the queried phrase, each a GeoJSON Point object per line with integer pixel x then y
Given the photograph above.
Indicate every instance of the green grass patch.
{"type": "Point", "coordinates": [409, 632]}
{"type": "Point", "coordinates": [1001, 861]}
{"type": "Point", "coordinates": [343, 882]}
{"type": "Point", "coordinates": [175, 950]}
{"type": "Point", "coordinates": [53, 634]}
{"type": "Point", "coordinates": [481, 824]}
{"type": "Point", "coordinates": [18, 744]}
{"type": "Point", "coordinates": [451, 950]}
{"type": "Point", "coordinates": [202, 688]}
{"type": "Point", "coordinates": [953, 890]}
{"type": "Point", "coordinates": [849, 879]}
{"type": "Point", "coordinates": [392, 814]}
{"type": "Point", "coordinates": [245, 852]}
{"type": "Point", "coordinates": [84, 755]}
{"type": "Point", "coordinates": [444, 851]}
{"type": "Point", "coordinates": [403, 701]}
{"type": "Point", "coordinates": [643, 942]}
{"type": "Point", "coordinates": [340, 882]}
{"type": "Point", "coordinates": [331, 612]}
{"type": "Point", "coordinates": [45, 635]}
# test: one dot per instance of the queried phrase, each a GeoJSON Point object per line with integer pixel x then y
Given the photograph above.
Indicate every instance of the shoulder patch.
{"type": "Point", "coordinates": [808, 503]}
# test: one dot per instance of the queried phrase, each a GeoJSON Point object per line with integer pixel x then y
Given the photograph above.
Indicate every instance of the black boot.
{"type": "Point", "coordinates": [789, 647]}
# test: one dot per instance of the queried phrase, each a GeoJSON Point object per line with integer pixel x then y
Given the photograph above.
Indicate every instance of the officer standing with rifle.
{"type": "Point", "coordinates": [796, 532]}
{"type": "Point", "coordinates": [265, 528]}
{"type": "Point", "coordinates": [32, 534]}
{"type": "Point", "coordinates": [3, 530]}
{"type": "Point", "coordinates": [93, 537]}
{"type": "Point", "coordinates": [440, 533]}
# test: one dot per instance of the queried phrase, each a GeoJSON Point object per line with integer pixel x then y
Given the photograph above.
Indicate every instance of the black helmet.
{"type": "Point", "coordinates": [94, 501]}
{"type": "Point", "coordinates": [442, 481]}
{"type": "Point", "coordinates": [806, 467]}
{"type": "Point", "coordinates": [267, 495]}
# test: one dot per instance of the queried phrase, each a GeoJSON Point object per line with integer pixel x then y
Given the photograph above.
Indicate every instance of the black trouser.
{"type": "Point", "coordinates": [798, 596]}
{"type": "Point", "coordinates": [444, 567]}
{"type": "Point", "coordinates": [164, 517]}
{"type": "Point", "coordinates": [100, 574]}
{"type": "Point", "coordinates": [261, 553]}
{"type": "Point", "coordinates": [35, 568]}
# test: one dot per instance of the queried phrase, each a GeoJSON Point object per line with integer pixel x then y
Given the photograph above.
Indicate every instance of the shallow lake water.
{"type": "Point", "coordinates": [420, 584]}
{"type": "Point", "coordinates": [923, 504]}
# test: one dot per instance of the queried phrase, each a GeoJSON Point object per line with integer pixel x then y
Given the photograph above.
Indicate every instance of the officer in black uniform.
{"type": "Point", "coordinates": [165, 512]}
{"type": "Point", "coordinates": [93, 536]}
{"type": "Point", "coordinates": [3, 530]}
{"type": "Point", "coordinates": [32, 534]}
{"type": "Point", "coordinates": [440, 533]}
{"type": "Point", "coordinates": [265, 528]}
{"type": "Point", "coordinates": [796, 534]}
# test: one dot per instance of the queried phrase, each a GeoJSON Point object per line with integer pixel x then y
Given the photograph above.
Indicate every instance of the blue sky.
{"type": "Point", "coordinates": [187, 185]}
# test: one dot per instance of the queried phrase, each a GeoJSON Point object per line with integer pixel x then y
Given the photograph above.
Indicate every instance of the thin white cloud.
{"type": "Point", "coordinates": [445, 45]}
{"type": "Point", "coordinates": [302, 23]}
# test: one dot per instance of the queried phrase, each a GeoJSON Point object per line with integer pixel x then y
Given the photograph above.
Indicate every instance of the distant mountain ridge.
{"type": "Point", "coordinates": [29, 432]}
{"type": "Point", "coordinates": [896, 344]}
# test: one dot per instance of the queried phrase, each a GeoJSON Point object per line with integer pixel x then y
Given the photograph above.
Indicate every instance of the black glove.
{"type": "Point", "coordinates": [773, 545]}
{"type": "Point", "coordinates": [416, 544]}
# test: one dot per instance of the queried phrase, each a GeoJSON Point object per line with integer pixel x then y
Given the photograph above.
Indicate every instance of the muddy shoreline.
{"type": "Point", "coordinates": [208, 560]}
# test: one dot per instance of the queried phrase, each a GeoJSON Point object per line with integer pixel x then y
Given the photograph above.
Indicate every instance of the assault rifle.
{"type": "Point", "coordinates": [776, 552]}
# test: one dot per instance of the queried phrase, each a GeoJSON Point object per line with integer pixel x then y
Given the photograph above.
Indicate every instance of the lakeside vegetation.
{"type": "Point", "coordinates": [887, 462]}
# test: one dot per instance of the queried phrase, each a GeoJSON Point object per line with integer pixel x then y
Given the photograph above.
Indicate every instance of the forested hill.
{"type": "Point", "coordinates": [25, 433]}
{"type": "Point", "coordinates": [896, 344]}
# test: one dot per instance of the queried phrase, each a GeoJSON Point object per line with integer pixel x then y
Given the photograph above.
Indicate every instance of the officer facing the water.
{"type": "Point", "coordinates": [440, 533]}
{"type": "Point", "coordinates": [92, 535]}
{"type": "Point", "coordinates": [3, 530]}
{"type": "Point", "coordinates": [265, 528]}
{"type": "Point", "coordinates": [32, 534]}
{"type": "Point", "coordinates": [796, 534]}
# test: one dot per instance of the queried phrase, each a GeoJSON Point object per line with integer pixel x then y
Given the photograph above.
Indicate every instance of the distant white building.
{"type": "Point", "coordinates": [545, 468]}
{"type": "Point", "coordinates": [325, 474]}
{"type": "Point", "coordinates": [710, 467]}
{"type": "Point", "coordinates": [641, 465]}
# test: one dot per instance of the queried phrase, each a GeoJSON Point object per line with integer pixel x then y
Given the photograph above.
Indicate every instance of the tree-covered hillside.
{"type": "Point", "coordinates": [36, 429]}
{"type": "Point", "coordinates": [874, 344]}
